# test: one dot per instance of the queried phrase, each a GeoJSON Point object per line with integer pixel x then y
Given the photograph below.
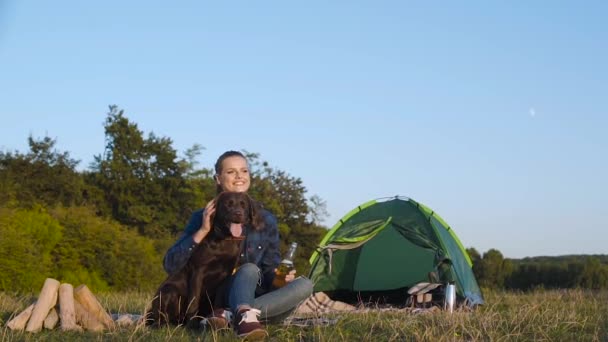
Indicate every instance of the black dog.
{"type": "Point", "coordinates": [189, 294]}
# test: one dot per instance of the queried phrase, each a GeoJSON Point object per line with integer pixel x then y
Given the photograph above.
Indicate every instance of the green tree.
{"type": "Point", "coordinates": [493, 269]}
{"type": "Point", "coordinates": [594, 275]}
{"type": "Point", "coordinates": [142, 180]}
{"type": "Point", "coordinates": [318, 210]}
{"type": "Point", "coordinates": [474, 255]}
{"type": "Point", "coordinates": [43, 176]}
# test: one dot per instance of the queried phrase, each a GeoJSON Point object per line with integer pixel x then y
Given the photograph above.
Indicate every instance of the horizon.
{"type": "Point", "coordinates": [493, 115]}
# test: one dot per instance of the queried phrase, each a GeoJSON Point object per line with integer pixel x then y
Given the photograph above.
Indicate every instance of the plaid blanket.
{"type": "Point", "coordinates": [319, 303]}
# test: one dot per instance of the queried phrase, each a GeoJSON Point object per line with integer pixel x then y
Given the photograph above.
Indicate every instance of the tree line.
{"type": "Point", "coordinates": [109, 225]}
{"type": "Point", "coordinates": [492, 270]}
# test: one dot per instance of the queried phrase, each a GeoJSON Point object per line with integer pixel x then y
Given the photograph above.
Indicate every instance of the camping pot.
{"type": "Point", "coordinates": [449, 300]}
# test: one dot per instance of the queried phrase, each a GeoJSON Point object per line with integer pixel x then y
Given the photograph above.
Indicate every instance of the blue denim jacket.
{"type": "Point", "coordinates": [261, 247]}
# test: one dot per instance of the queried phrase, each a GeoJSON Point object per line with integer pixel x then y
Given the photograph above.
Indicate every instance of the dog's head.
{"type": "Point", "coordinates": [234, 210]}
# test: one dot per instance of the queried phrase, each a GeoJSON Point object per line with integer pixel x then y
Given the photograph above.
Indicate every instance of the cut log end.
{"type": "Point", "coordinates": [18, 322]}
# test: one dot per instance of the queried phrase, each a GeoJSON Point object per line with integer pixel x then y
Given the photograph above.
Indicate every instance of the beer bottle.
{"type": "Point", "coordinates": [285, 266]}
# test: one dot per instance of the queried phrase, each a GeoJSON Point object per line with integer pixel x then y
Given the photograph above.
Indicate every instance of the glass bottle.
{"type": "Point", "coordinates": [285, 266]}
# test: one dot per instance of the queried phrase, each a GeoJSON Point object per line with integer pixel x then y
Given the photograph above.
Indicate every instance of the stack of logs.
{"type": "Point", "coordinates": [73, 309]}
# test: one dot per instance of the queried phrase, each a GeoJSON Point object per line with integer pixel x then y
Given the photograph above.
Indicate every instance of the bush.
{"type": "Point", "coordinates": [75, 246]}
{"type": "Point", "coordinates": [29, 238]}
{"type": "Point", "coordinates": [105, 254]}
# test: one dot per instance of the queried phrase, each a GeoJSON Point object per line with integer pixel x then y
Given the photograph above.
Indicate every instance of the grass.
{"type": "Point", "coordinates": [542, 315]}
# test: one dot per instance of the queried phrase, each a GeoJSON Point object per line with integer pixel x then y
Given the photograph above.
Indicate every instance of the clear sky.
{"type": "Point", "coordinates": [494, 114]}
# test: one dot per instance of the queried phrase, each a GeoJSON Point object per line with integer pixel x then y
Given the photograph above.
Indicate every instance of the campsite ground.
{"type": "Point", "coordinates": [556, 315]}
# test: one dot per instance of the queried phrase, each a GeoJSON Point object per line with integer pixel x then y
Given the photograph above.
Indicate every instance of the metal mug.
{"type": "Point", "coordinates": [449, 300]}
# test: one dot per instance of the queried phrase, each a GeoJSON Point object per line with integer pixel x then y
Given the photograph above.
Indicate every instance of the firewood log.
{"type": "Point", "coordinates": [51, 319]}
{"type": "Point", "coordinates": [87, 319]}
{"type": "Point", "coordinates": [124, 320]}
{"type": "Point", "coordinates": [18, 322]}
{"type": "Point", "coordinates": [127, 319]}
{"type": "Point", "coordinates": [88, 300]}
{"type": "Point", "coordinates": [66, 308]}
{"type": "Point", "coordinates": [46, 300]}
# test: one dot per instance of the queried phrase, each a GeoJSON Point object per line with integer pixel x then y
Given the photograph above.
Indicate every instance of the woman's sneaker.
{"type": "Point", "coordinates": [219, 319]}
{"type": "Point", "coordinates": [249, 327]}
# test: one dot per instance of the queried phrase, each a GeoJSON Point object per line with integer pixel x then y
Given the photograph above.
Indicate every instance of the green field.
{"type": "Point", "coordinates": [556, 315]}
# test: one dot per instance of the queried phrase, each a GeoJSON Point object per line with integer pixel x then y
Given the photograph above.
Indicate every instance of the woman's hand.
{"type": "Point", "coordinates": [290, 276]}
{"type": "Point", "coordinates": [205, 228]}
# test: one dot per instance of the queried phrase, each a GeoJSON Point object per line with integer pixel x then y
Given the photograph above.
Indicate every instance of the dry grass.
{"type": "Point", "coordinates": [557, 315]}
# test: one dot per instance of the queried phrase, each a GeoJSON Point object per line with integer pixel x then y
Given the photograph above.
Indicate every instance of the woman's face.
{"type": "Point", "coordinates": [234, 175]}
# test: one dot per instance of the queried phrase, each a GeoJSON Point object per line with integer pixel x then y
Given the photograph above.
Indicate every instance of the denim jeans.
{"type": "Point", "coordinates": [275, 305]}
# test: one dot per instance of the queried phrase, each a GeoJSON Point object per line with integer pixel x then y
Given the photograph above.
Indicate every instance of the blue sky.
{"type": "Point", "coordinates": [493, 114]}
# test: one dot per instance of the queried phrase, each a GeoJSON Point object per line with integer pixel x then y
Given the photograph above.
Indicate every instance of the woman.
{"type": "Point", "coordinates": [249, 292]}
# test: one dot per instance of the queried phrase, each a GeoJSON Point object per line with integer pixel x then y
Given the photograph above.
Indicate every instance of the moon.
{"type": "Point", "coordinates": [532, 112]}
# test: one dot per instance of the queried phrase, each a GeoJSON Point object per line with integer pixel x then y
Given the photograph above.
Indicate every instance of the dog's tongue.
{"type": "Point", "coordinates": [236, 229]}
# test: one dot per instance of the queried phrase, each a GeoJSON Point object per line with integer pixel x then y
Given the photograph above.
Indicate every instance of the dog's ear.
{"type": "Point", "coordinates": [215, 202]}
{"type": "Point", "coordinates": [220, 200]}
{"type": "Point", "coordinates": [212, 219]}
{"type": "Point", "coordinates": [255, 214]}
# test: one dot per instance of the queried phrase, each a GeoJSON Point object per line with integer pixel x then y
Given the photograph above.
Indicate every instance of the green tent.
{"type": "Point", "coordinates": [392, 245]}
